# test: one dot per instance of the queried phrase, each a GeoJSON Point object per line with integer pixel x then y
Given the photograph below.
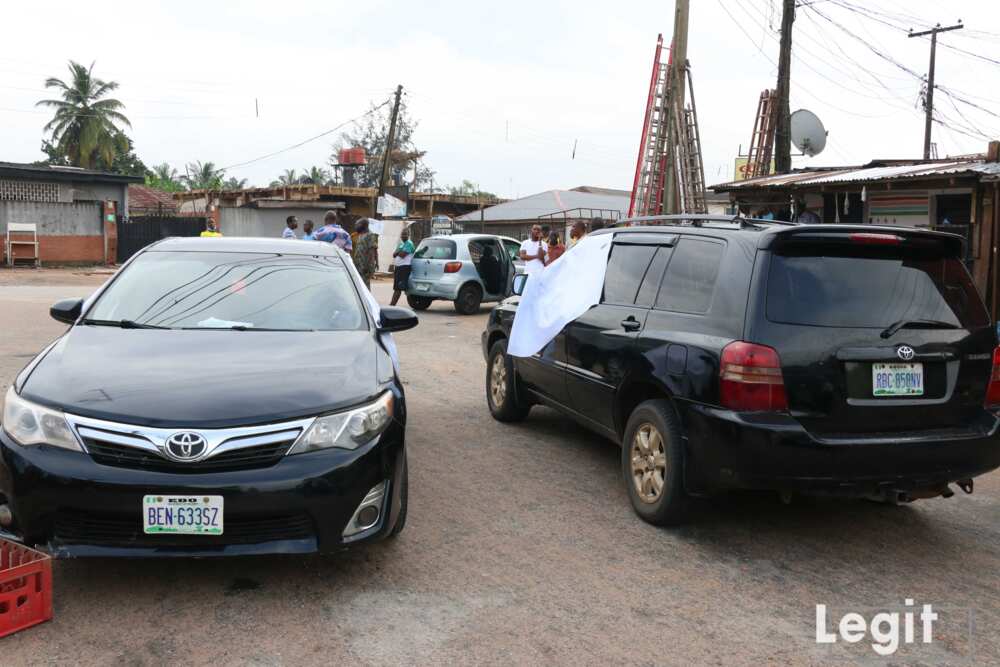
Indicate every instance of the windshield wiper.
{"type": "Point", "coordinates": [916, 324]}
{"type": "Point", "coordinates": [124, 324]}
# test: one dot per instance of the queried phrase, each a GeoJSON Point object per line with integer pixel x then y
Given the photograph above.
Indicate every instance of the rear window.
{"type": "Point", "coordinates": [689, 282]}
{"type": "Point", "coordinates": [626, 268]}
{"type": "Point", "coordinates": [435, 249]}
{"type": "Point", "coordinates": [858, 291]}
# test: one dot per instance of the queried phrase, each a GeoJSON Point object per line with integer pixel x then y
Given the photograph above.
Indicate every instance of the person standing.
{"type": "Point", "coordinates": [806, 216]}
{"type": "Point", "coordinates": [307, 231]}
{"type": "Point", "coordinates": [291, 224]}
{"type": "Point", "coordinates": [402, 258]}
{"type": "Point", "coordinates": [332, 232]}
{"type": "Point", "coordinates": [366, 252]}
{"type": "Point", "coordinates": [577, 232]}
{"type": "Point", "coordinates": [555, 248]}
{"type": "Point", "coordinates": [211, 231]}
{"type": "Point", "coordinates": [532, 251]}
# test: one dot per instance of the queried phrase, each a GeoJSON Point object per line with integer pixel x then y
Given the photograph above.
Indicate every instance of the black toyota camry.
{"type": "Point", "coordinates": [216, 397]}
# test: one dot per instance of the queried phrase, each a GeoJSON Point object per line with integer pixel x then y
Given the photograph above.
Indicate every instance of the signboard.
{"type": "Point", "coordinates": [442, 225]}
{"type": "Point", "coordinates": [390, 207]}
{"type": "Point", "coordinates": [741, 166]}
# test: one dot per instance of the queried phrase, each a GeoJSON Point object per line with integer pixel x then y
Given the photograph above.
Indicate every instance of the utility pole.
{"type": "Point", "coordinates": [678, 69]}
{"type": "Point", "coordinates": [782, 128]}
{"type": "Point", "coordinates": [389, 141]}
{"type": "Point", "coordinates": [929, 99]}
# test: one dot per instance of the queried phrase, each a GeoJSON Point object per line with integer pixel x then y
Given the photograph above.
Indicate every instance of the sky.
{"type": "Point", "coordinates": [501, 91]}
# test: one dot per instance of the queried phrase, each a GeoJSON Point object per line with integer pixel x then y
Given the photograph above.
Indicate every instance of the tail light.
{"type": "Point", "coordinates": [750, 379]}
{"type": "Point", "coordinates": [875, 239]}
{"type": "Point", "coordinates": [452, 267]}
{"type": "Point", "coordinates": [993, 389]}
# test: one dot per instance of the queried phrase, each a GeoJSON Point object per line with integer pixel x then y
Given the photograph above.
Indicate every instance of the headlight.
{"type": "Point", "coordinates": [31, 424]}
{"type": "Point", "coordinates": [347, 430]}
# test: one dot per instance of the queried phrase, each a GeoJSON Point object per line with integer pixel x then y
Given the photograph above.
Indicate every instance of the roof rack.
{"type": "Point", "coordinates": [700, 219]}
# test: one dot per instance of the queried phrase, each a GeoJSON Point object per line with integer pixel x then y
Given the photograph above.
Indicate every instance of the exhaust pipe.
{"type": "Point", "coordinates": [966, 485]}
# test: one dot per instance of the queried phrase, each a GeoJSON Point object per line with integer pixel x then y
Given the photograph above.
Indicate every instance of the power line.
{"type": "Point", "coordinates": [306, 141]}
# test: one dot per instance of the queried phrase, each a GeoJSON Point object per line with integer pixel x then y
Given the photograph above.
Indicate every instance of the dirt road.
{"type": "Point", "coordinates": [521, 548]}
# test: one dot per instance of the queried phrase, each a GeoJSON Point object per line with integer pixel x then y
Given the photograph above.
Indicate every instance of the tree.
{"type": "Point", "coordinates": [371, 135]}
{"type": "Point", "coordinates": [290, 177]}
{"type": "Point", "coordinates": [315, 176]}
{"type": "Point", "coordinates": [164, 177]}
{"type": "Point", "coordinates": [85, 128]}
{"type": "Point", "coordinates": [233, 183]}
{"type": "Point", "coordinates": [470, 189]}
{"type": "Point", "coordinates": [202, 176]}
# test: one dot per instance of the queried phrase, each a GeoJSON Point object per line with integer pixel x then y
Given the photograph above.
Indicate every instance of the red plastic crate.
{"type": "Point", "coordinates": [25, 587]}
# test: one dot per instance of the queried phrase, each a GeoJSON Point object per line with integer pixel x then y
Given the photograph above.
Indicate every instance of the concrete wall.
{"type": "Point", "coordinates": [70, 233]}
{"type": "Point", "coordinates": [265, 222]}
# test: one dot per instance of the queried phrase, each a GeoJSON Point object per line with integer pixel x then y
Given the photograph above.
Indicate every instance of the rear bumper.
{"type": "Point", "coordinates": [440, 288]}
{"type": "Point", "coordinates": [733, 450]}
{"type": "Point", "coordinates": [65, 501]}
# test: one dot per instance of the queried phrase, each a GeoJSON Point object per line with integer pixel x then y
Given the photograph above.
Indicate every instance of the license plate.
{"type": "Point", "coordinates": [423, 287]}
{"type": "Point", "coordinates": [898, 379]}
{"type": "Point", "coordinates": [184, 515]}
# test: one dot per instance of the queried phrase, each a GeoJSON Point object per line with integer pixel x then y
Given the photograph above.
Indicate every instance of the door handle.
{"type": "Point", "coordinates": [630, 324]}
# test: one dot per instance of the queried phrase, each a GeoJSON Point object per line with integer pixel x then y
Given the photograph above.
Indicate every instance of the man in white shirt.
{"type": "Point", "coordinates": [533, 251]}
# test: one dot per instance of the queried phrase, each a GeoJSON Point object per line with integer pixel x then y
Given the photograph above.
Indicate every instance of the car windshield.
{"type": "Point", "coordinates": [222, 290]}
{"type": "Point", "coordinates": [872, 292]}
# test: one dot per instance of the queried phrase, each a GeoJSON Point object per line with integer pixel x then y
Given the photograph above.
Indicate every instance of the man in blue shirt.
{"type": "Point", "coordinates": [307, 231]}
{"type": "Point", "coordinates": [291, 224]}
{"type": "Point", "coordinates": [332, 232]}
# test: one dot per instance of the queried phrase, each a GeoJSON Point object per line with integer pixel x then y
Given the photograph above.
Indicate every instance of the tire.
{"type": "Point", "coordinates": [418, 302]}
{"type": "Point", "coordinates": [660, 464]}
{"type": "Point", "coordinates": [469, 299]}
{"type": "Point", "coordinates": [404, 492]}
{"type": "Point", "coordinates": [502, 396]}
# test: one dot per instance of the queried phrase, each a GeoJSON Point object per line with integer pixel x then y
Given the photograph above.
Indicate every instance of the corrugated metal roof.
{"type": "Point", "coordinates": [550, 201]}
{"type": "Point", "coordinates": [798, 179]}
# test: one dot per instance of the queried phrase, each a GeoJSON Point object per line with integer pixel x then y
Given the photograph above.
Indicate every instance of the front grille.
{"type": "Point", "coordinates": [76, 527]}
{"type": "Point", "coordinates": [247, 458]}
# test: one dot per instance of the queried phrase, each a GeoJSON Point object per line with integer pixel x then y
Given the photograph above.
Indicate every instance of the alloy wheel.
{"type": "Point", "coordinates": [649, 463]}
{"type": "Point", "coordinates": [498, 380]}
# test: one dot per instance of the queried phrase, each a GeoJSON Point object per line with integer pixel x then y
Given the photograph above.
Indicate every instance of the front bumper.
{"type": "Point", "coordinates": [71, 505]}
{"type": "Point", "coordinates": [732, 450]}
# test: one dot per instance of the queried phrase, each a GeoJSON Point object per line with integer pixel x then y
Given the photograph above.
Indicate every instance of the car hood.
{"type": "Point", "coordinates": [206, 379]}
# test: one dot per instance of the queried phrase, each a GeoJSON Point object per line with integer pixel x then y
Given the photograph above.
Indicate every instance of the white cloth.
{"type": "Point", "coordinates": [531, 248]}
{"type": "Point", "coordinates": [559, 294]}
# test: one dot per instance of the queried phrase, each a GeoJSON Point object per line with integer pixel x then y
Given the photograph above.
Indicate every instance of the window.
{"type": "Point", "coordinates": [626, 268]}
{"type": "Point", "coordinates": [435, 249]}
{"type": "Point", "coordinates": [513, 249]}
{"type": "Point", "coordinates": [689, 282]}
{"type": "Point", "coordinates": [222, 290]}
{"type": "Point", "coordinates": [871, 292]}
{"type": "Point", "coordinates": [651, 283]}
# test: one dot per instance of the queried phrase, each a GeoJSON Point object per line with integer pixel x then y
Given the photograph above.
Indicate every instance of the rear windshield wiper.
{"type": "Point", "coordinates": [124, 324]}
{"type": "Point", "coordinates": [916, 324]}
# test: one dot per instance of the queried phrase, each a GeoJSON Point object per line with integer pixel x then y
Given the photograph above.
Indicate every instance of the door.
{"type": "Point", "coordinates": [490, 260]}
{"type": "Point", "coordinates": [601, 344]}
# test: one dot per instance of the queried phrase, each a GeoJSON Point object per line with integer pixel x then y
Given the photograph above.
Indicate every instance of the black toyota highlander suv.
{"type": "Point", "coordinates": [735, 353]}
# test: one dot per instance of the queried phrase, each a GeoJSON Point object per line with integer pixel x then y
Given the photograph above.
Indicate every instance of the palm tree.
{"type": "Point", "coordinates": [203, 176]}
{"type": "Point", "coordinates": [164, 177]}
{"type": "Point", "coordinates": [85, 127]}
{"type": "Point", "coordinates": [316, 176]}
{"type": "Point", "coordinates": [233, 183]}
{"type": "Point", "coordinates": [290, 177]}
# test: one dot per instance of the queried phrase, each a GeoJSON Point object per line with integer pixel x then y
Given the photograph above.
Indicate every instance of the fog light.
{"type": "Point", "coordinates": [368, 516]}
{"type": "Point", "coordinates": [368, 512]}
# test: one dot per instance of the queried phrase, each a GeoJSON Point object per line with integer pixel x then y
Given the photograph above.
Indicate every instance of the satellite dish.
{"type": "Point", "coordinates": [808, 133]}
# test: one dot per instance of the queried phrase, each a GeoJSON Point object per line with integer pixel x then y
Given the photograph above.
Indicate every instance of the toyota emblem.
{"type": "Point", "coordinates": [905, 352]}
{"type": "Point", "coordinates": [186, 445]}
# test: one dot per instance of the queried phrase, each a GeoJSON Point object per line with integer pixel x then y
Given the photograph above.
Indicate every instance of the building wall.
{"type": "Point", "coordinates": [67, 233]}
{"type": "Point", "coordinates": [265, 222]}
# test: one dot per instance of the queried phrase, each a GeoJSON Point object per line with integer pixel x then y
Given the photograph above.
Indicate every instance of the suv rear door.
{"type": "Point", "coordinates": [879, 332]}
{"type": "Point", "coordinates": [601, 343]}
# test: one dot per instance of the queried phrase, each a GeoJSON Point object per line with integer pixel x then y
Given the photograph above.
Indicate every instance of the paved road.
{"type": "Point", "coordinates": [521, 548]}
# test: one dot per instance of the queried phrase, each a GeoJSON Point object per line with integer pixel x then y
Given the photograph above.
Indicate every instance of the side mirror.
{"type": "Point", "coordinates": [67, 310]}
{"type": "Point", "coordinates": [520, 280]}
{"type": "Point", "coordinates": [393, 318]}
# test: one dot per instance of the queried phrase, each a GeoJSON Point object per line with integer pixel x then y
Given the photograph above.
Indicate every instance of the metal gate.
{"type": "Point", "coordinates": [139, 231]}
